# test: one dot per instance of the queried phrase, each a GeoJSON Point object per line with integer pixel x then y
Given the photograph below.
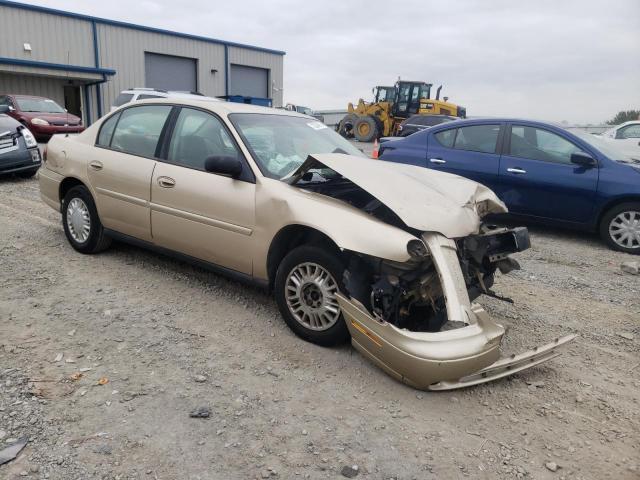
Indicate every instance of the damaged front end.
{"type": "Point", "coordinates": [417, 320]}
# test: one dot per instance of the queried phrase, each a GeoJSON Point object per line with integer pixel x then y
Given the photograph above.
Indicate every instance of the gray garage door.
{"type": "Point", "coordinates": [249, 81]}
{"type": "Point", "coordinates": [170, 73]}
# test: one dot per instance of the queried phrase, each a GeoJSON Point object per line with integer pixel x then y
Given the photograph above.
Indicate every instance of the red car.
{"type": "Point", "coordinates": [41, 115]}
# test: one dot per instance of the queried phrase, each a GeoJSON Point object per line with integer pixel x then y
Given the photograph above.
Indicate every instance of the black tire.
{"type": "Point", "coordinates": [96, 240]}
{"type": "Point", "coordinates": [365, 129]}
{"type": "Point", "coordinates": [26, 173]}
{"type": "Point", "coordinates": [345, 127]}
{"type": "Point", "coordinates": [338, 332]}
{"type": "Point", "coordinates": [607, 220]}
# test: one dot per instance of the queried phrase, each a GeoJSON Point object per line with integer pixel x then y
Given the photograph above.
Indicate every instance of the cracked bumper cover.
{"type": "Point", "coordinates": [448, 359]}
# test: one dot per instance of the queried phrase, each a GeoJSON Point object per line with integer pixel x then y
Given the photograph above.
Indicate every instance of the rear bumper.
{"type": "Point", "coordinates": [50, 187]}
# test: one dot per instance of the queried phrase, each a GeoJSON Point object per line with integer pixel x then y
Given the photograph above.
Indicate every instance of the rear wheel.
{"type": "Point", "coordinates": [306, 285]}
{"type": "Point", "coordinates": [81, 222]}
{"type": "Point", "coordinates": [365, 129]}
{"type": "Point", "coordinates": [620, 228]}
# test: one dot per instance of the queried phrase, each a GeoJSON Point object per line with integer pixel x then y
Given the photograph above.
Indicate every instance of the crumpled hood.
{"type": "Point", "coordinates": [426, 200]}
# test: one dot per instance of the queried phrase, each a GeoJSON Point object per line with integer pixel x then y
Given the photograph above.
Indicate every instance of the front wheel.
{"type": "Point", "coordinates": [81, 222]}
{"type": "Point", "coordinates": [306, 285]}
{"type": "Point", "coordinates": [365, 129]}
{"type": "Point", "coordinates": [620, 228]}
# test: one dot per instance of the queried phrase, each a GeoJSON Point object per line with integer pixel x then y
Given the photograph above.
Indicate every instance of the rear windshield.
{"type": "Point", "coordinates": [43, 105]}
{"type": "Point", "coordinates": [122, 99]}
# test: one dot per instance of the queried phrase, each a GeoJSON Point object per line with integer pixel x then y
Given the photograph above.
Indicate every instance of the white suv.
{"type": "Point", "coordinates": [134, 94]}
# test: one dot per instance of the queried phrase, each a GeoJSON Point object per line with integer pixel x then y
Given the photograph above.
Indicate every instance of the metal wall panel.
{"type": "Point", "coordinates": [52, 88]}
{"type": "Point", "coordinates": [123, 49]}
{"type": "Point", "coordinates": [53, 38]}
{"type": "Point", "coordinates": [272, 62]}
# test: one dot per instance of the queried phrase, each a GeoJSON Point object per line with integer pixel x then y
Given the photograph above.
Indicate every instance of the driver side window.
{"type": "Point", "coordinates": [197, 136]}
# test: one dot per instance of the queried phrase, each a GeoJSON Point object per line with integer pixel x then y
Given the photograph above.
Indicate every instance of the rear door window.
{"type": "Point", "coordinates": [477, 138]}
{"type": "Point", "coordinates": [139, 129]}
{"type": "Point", "coordinates": [106, 131]}
{"type": "Point", "coordinates": [446, 137]}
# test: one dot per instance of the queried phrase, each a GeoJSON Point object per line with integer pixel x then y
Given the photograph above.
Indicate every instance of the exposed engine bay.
{"type": "Point", "coordinates": [410, 295]}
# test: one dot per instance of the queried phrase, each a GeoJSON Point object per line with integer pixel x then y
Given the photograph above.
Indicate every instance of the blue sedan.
{"type": "Point", "coordinates": [541, 171]}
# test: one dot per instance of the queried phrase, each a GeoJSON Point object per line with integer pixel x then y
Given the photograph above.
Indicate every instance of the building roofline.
{"type": "Point", "coordinates": [55, 66]}
{"type": "Point", "coordinates": [117, 23]}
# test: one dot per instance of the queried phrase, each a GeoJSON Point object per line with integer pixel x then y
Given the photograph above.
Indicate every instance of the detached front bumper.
{"type": "Point", "coordinates": [448, 359]}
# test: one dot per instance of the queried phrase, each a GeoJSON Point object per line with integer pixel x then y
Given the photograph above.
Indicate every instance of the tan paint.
{"type": "Point", "coordinates": [207, 216]}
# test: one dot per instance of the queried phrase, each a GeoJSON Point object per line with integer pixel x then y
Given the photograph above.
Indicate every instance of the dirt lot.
{"type": "Point", "coordinates": [170, 338]}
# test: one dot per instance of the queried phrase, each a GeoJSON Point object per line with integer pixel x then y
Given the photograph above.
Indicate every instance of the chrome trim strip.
{"type": "Point", "coordinates": [194, 217]}
{"type": "Point", "coordinates": [121, 196]}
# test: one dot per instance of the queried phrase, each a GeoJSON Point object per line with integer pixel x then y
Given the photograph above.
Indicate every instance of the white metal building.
{"type": "Point", "coordinates": [83, 62]}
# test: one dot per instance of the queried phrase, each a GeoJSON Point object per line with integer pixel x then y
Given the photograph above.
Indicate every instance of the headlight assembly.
{"type": "Point", "coordinates": [39, 121]}
{"type": "Point", "coordinates": [29, 139]}
{"type": "Point", "coordinates": [417, 249]}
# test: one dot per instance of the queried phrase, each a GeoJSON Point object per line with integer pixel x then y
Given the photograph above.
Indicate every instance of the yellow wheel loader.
{"type": "Point", "coordinates": [380, 118]}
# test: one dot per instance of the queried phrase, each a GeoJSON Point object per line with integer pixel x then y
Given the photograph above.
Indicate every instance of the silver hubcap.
{"type": "Point", "coordinates": [78, 220]}
{"type": "Point", "coordinates": [624, 229]}
{"type": "Point", "coordinates": [311, 296]}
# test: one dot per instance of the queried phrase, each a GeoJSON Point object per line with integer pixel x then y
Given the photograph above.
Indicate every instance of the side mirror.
{"type": "Point", "coordinates": [224, 165]}
{"type": "Point", "coordinates": [4, 109]}
{"type": "Point", "coordinates": [583, 159]}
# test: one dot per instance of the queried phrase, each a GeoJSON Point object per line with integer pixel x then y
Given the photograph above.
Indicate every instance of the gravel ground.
{"type": "Point", "coordinates": [102, 359]}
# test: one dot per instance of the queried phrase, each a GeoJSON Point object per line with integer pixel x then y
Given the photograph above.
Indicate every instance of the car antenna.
{"type": "Point", "coordinates": [68, 66]}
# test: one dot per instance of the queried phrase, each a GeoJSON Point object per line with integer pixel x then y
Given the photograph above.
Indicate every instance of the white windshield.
{"type": "Point", "coordinates": [280, 143]}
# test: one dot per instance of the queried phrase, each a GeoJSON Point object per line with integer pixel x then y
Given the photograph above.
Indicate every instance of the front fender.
{"type": "Point", "coordinates": [279, 205]}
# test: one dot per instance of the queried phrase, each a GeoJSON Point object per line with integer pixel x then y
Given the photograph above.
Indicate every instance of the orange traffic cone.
{"type": "Point", "coordinates": [376, 147]}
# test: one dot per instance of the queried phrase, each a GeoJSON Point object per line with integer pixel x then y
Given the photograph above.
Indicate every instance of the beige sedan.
{"type": "Point", "coordinates": [388, 256]}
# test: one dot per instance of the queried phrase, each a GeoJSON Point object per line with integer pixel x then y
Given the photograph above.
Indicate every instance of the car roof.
{"type": "Point", "coordinates": [488, 120]}
{"type": "Point", "coordinates": [166, 94]}
{"type": "Point", "coordinates": [221, 107]}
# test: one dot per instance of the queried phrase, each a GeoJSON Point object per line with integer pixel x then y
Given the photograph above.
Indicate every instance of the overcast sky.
{"type": "Point", "coordinates": [575, 60]}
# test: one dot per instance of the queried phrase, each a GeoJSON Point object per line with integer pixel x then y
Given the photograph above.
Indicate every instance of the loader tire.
{"type": "Point", "coordinates": [345, 127]}
{"type": "Point", "coordinates": [365, 129]}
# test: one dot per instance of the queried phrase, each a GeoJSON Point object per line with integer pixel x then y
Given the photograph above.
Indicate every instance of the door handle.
{"type": "Point", "coordinates": [517, 171]}
{"type": "Point", "coordinates": [166, 182]}
{"type": "Point", "coordinates": [437, 160]}
{"type": "Point", "coordinates": [96, 165]}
